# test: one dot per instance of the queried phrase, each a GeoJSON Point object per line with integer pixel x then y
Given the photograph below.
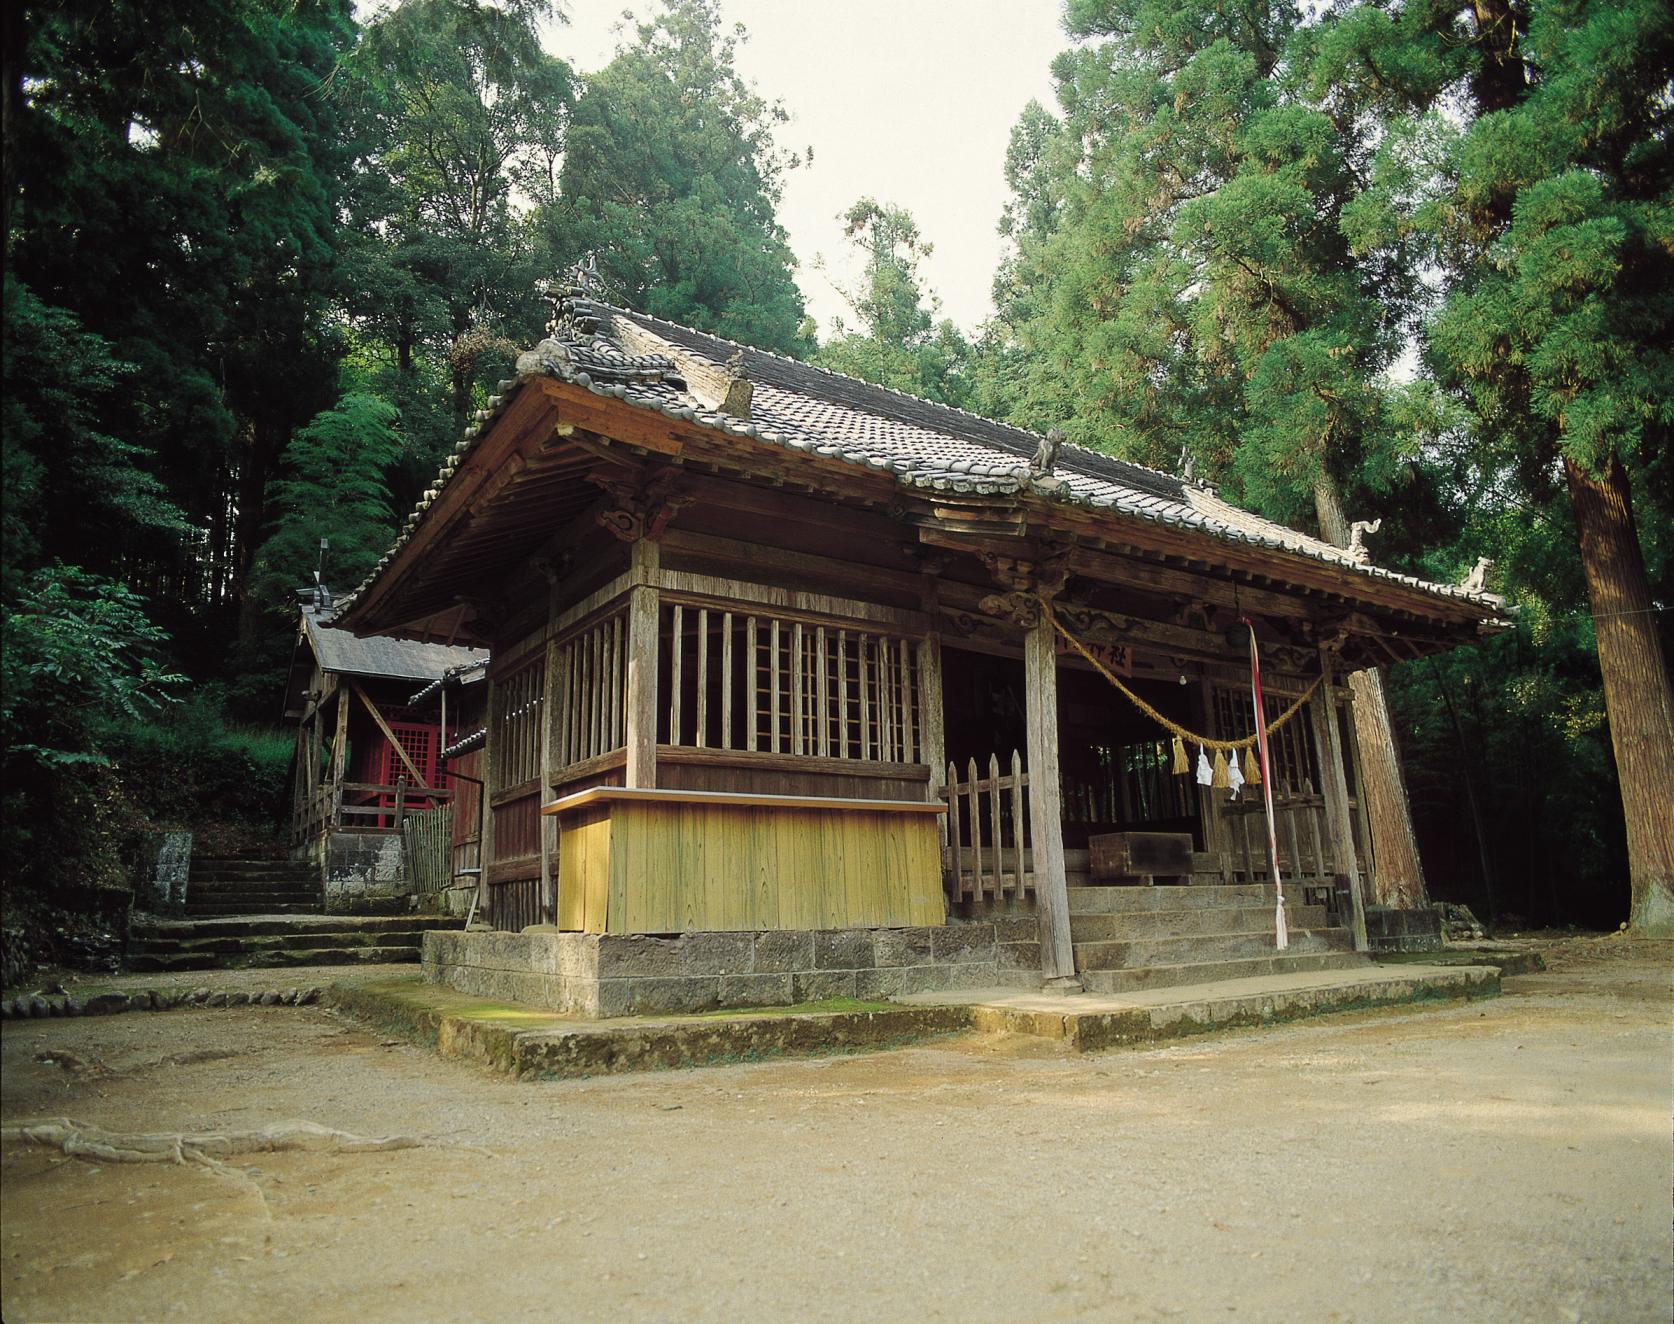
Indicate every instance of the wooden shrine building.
{"type": "Point", "coordinates": [779, 651]}
{"type": "Point", "coordinates": [369, 744]}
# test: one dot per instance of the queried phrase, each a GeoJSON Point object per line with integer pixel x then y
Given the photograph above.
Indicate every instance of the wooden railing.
{"type": "Point", "coordinates": [985, 831]}
{"type": "Point", "coordinates": [592, 687]}
{"type": "Point", "coordinates": [1303, 831]}
{"type": "Point", "coordinates": [364, 806]}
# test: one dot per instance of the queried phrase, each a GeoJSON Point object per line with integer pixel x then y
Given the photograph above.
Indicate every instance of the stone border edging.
{"type": "Point", "coordinates": [37, 1006]}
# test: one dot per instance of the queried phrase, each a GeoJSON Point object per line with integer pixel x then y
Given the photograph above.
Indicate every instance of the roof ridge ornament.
{"type": "Point", "coordinates": [1357, 538]}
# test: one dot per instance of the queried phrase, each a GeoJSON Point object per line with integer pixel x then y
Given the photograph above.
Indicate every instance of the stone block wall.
{"type": "Point", "coordinates": [1391, 930]}
{"type": "Point", "coordinates": [630, 975]}
{"type": "Point", "coordinates": [364, 873]}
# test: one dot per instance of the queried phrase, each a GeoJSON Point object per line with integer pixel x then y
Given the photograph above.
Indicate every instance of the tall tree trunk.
{"type": "Point", "coordinates": [1397, 873]}
{"type": "Point", "coordinates": [1637, 695]}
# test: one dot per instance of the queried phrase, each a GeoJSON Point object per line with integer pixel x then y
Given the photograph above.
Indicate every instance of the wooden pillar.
{"type": "Point", "coordinates": [339, 755]}
{"type": "Point", "coordinates": [640, 699]}
{"type": "Point", "coordinates": [1328, 736]}
{"type": "Point", "coordinates": [1040, 687]}
{"type": "Point", "coordinates": [931, 714]}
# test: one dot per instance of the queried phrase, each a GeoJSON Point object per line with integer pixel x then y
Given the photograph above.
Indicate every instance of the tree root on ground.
{"type": "Point", "coordinates": [79, 1140]}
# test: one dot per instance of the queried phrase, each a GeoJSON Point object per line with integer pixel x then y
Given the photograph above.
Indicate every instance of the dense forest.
{"type": "Point", "coordinates": [1397, 260]}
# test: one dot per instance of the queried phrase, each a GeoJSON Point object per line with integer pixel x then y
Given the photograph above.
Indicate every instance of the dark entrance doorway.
{"type": "Point", "coordinates": [1114, 760]}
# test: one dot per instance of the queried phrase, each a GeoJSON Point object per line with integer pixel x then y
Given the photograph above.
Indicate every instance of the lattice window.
{"type": "Point", "coordinates": [515, 734]}
{"type": "Point", "coordinates": [756, 683]}
{"type": "Point", "coordinates": [1295, 760]}
{"type": "Point", "coordinates": [419, 742]}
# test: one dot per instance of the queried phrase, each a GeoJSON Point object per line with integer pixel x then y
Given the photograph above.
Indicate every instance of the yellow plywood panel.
{"type": "Point", "coordinates": [669, 866]}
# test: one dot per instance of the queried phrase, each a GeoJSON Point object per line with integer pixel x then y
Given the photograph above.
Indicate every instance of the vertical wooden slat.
{"type": "Point", "coordinates": [587, 687]}
{"type": "Point", "coordinates": [952, 787]}
{"type": "Point", "coordinates": [674, 676]}
{"type": "Point", "coordinates": [796, 689]}
{"type": "Point", "coordinates": [1017, 821]}
{"type": "Point", "coordinates": [599, 689]}
{"type": "Point", "coordinates": [822, 707]}
{"type": "Point", "coordinates": [908, 706]}
{"type": "Point", "coordinates": [863, 647]}
{"type": "Point", "coordinates": [973, 811]}
{"type": "Point", "coordinates": [773, 639]}
{"type": "Point", "coordinates": [639, 684]}
{"type": "Point", "coordinates": [702, 704]}
{"type": "Point", "coordinates": [726, 680]}
{"type": "Point", "coordinates": [1314, 811]}
{"type": "Point", "coordinates": [750, 734]}
{"type": "Point", "coordinates": [998, 834]}
{"type": "Point", "coordinates": [842, 698]}
{"type": "Point", "coordinates": [619, 699]}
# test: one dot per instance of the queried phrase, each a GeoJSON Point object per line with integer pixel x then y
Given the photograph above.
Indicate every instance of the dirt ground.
{"type": "Point", "coordinates": [1507, 1160]}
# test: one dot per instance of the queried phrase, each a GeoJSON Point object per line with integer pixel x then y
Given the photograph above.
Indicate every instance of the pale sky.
{"type": "Point", "coordinates": [911, 101]}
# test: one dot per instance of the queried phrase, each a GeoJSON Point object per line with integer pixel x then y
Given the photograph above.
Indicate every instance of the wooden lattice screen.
{"type": "Point", "coordinates": [592, 690]}
{"type": "Point", "coordinates": [751, 682]}
{"type": "Point", "coordinates": [515, 734]}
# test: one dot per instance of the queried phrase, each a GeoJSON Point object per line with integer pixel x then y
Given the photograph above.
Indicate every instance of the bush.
{"type": "Point", "coordinates": [190, 768]}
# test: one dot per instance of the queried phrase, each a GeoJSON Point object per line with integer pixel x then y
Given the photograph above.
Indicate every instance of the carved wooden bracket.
{"type": "Point", "coordinates": [641, 510]}
{"type": "Point", "coordinates": [1025, 582]}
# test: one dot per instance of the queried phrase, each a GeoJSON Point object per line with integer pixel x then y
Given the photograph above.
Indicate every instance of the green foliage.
{"type": "Point", "coordinates": [193, 766]}
{"type": "Point", "coordinates": [671, 177]}
{"type": "Point", "coordinates": [62, 471]}
{"type": "Point", "coordinates": [900, 344]}
{"type": "Point", "coordinates": [78, 649]}
{"type": "Point", "coordinates": [333, 486]}
{"type": "Point", "coordinates": [77, 652]}
{"type": "Point", "coordinates": [457, 111]}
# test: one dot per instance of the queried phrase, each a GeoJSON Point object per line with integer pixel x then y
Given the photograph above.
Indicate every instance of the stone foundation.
{"type": "Point", "coordinates": [364, 873]}
{"type": "Point", "coordinates": [1391, 930]}
{"type": "Point", "coordinates": [590, 974]}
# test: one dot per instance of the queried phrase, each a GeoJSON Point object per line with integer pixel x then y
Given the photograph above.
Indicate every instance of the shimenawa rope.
{"type": "Point", "coordinates": [1174, 728]}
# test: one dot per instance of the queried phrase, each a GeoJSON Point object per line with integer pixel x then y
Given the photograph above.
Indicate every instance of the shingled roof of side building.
{"type": "Point", "coordinates": [645, 362]}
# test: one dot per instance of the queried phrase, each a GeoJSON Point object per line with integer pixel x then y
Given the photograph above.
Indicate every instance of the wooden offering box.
{"type": "Point", "coordinates": [640, 860]}
{"type": "Point", "coordinates": [1140, 856]}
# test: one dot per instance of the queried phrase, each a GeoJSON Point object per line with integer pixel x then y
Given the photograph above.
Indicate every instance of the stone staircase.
{"type": "Point", "coordinates": [248, 941]}
{"type": "Point", "coordinates": [249, 885]}
{"type": "Point", "coordinates": [1132, 938]}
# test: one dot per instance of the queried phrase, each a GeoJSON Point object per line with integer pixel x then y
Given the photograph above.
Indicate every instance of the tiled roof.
{"type": "Point", "coordinates": [401, 659]}
{"type": "Point", "coordinates": [924, 446]}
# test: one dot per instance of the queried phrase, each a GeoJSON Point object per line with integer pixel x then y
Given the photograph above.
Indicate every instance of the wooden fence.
{"type": "Point", "coordinates": [427, 842]}
{"type": "Point", "coordinates": [985, 831]}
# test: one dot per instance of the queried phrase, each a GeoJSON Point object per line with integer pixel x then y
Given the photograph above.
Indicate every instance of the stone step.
{"type": "Point", "coordinates": [234, 868]}
{"type": "Point", "coordinates": [208, 911]}
{"type": "Point", "coordinates": [230, 896]}
{"type": "Point", "coordinates": [1203, 949]}
{"type": "Point", "coordinates": [1125, 925]}
{"type": "Point", "coordinates": [1209, 972]}
{"type": "Point", "coordinates": [311, 877]}
{"type": "Point", "coordinates": [1108, 900]}
{"type": "Point", "coordinates": [276, 942]}
{"type": "Point", "coordinates": [274, 959]}
{"type": "Point", "coordinates": [316, 923]}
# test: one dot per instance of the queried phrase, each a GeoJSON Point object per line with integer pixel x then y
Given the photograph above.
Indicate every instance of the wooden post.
{"type": "Point", "coordinates": [1334, 786]}
{"type": "Point", "coordinates": [339, 756]}
{"type": "Point", "coordinates": [1040, 687]}
{"type": "Point", "coordinates": [934, 751]}
{"type": "Point", "coordinates": [642, 667]}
